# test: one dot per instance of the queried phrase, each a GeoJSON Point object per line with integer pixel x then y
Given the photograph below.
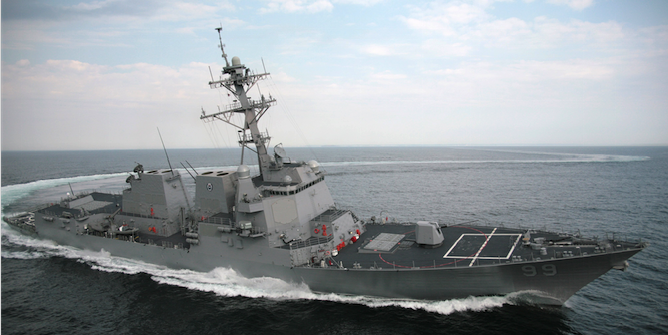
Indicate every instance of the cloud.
{"type": "Point", "coordinates": [44, 27]}
{"type": "Point", "coordinates": [94, 5]}
{"type": "Point", "coordinates": [387, 76]}
{"type": "Point", "coordinates": [502, 30]}
{"type": "Point", "coordinates": [464, 27]}
{"type": "Point", "coordinates": [310, 6]}
{"type": "Point", "coordinates": [477, 102]}
{"type": "Point", "coordinates": [444, 18]}
{"type": "Point", "coordinates": [180, 11]}
{"type": "Point", "coordinates": [573, 4]}
{"type": "Point", "coordinates": [100, 102]}
{"type": "Point", "coordinates": [555, 32]}
{"type": "Point", "coordinates": [39, 10]}
{"type": "Point", "coordinates": [120, 9]}
{"type": "Point", "coordinates": [28, 9]}
{"type": "Point", "coordinates": [462, 74]}
{"type": "Point", "coordinates": [366, 3]}
{"type": "Point", "coordinates": [531, 72]}
{"type": "Point", "coordinates": [440, 48]}
{"type": "Point", "coordinates": [297, 6]}
{"type": "Point", "coordinates": [379, 50]}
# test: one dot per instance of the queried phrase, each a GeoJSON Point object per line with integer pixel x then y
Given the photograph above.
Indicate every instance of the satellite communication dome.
{"type": "Point", "coordinates": [315, 167]}
{"type": "Point", "coordinates": [243, 172]}
{"type": "Point", "coordinates": [236, 61]}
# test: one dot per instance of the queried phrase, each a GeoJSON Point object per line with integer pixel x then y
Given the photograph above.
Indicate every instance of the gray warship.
{"type": "Point", "coordinates": [283, 223]}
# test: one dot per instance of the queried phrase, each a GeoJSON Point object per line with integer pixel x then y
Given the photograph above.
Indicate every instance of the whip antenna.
{"type": "Point", "coordinates": [163, 147]}
{"type": "Point", "coordinates": [222, 46]}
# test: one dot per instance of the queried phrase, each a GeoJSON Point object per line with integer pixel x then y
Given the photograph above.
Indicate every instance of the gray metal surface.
{"type": "Point", "coordinates": [384, 242]}
{"type": "Point", "coordinates": [283, 223]}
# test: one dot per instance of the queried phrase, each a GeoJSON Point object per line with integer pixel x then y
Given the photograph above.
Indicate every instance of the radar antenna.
{"type": "Point", "coordinates": [222, 46]}
{"type": "Point", "coordinates": [239, 80]}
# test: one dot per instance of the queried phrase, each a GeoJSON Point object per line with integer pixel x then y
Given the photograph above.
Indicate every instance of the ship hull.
{"type": "Point", "coordinates": [553, 280]}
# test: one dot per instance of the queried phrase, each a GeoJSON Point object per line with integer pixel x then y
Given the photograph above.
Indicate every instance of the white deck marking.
{"type": "Point", "coordinates": [482, 247]}
{"type": "Point", "coordinates": [513, 248]}
{"type": "Point", "coordinates": [453, 246]}
{"type": "Point", "coordinates": [518, 236]}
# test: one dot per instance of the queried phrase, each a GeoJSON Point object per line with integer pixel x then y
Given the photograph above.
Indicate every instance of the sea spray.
{"type": "Point", "coordinates": [227, 282]}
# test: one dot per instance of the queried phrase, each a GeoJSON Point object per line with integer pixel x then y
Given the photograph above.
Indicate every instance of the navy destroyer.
{"type": "Point", "coordinates": [283, 223]}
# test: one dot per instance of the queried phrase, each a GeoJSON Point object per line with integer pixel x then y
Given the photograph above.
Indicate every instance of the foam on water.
{"type": "Point", "coordinates": [571, 158]}
{"type": "Point", "coordinates": [221, 281]}
{"type": "Point", "coordinates": [13, 193]}
{"type": "Point", "coordinates": [226, 282]}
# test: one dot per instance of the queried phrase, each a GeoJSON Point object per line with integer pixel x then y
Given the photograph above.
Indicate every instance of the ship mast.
{"type": "Point", "coordinates": [238, 80]}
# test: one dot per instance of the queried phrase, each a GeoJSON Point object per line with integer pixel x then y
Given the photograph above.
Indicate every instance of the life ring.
{"type": "Point", "coordinates": [317, 230]}
{"type": "Point", "coordinates": [327, 253]}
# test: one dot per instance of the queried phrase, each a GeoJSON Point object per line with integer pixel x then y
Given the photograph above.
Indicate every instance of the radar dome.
{"type": "Point", "coordinates": [315, 167]}
{"type": "Point", "coordinates": [287, 179]}
{"type": "Point", "coordinates": [236, 61]}
{"type": "Point", "coordinates": [243, 172]}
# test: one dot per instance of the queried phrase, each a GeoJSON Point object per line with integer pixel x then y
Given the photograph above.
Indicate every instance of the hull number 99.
{"type": "Point", "coordinates": [545, 270]}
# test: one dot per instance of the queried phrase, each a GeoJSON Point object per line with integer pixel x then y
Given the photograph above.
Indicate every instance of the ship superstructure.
{"type": "Point", "coordinates": [283, 223]}
{"type": "Point", "coordinates": [288, 204]}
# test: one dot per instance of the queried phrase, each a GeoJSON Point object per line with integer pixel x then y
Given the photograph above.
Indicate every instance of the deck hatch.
{"type": "Point", "coordinates": [384, 242]}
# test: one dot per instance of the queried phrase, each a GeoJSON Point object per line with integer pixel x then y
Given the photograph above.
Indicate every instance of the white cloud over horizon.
{"type": "Point", "coordinates": [347, 72]}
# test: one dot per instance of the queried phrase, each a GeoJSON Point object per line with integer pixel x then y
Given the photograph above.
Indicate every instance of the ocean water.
{"type": "Point", "coordinates": [50, 289]}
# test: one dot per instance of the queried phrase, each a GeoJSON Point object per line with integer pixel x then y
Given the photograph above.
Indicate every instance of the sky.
{"type": "Point", "coordinates": [95, 75]}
